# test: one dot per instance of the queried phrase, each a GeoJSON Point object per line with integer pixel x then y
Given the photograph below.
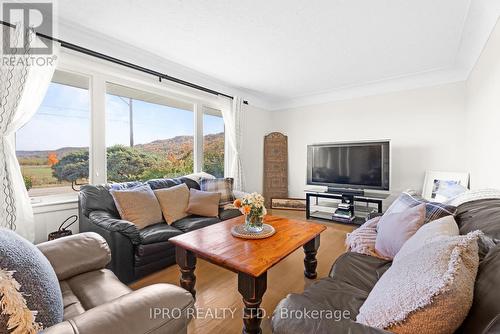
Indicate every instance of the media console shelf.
{"type": "Point", "coordinates": [320, 205]}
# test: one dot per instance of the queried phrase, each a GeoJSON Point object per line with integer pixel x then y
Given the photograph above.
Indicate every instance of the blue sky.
{"type": "Point", "coordinates": [63, 119]}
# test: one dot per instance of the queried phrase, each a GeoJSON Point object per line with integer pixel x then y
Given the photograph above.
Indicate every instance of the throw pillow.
{"type": "Point", "coordinates": [442, 227]}
{"type": "Point", "coordinates": [394, 229]}
{"type": "Point", "coordinates": [433, 210]}
{"type": "Point", "coordinates": [222, 186]}
{"type": "Point", "coordinates": [30, 296]}
{"type": "Point", "coordinates": [199, 176]}
{"type": "Point", "coordinates": [362, 239]}
{"type": "Point", "coordinates": [428, 291]}
{"type": "Point", "coordinates": [203, 203]}
{"type": "Point", "coordinates": [173, 202]}
{"type": "Point", "coordinates": [138, 205]}
{"type": "Point", "coordinates": [474, 195]}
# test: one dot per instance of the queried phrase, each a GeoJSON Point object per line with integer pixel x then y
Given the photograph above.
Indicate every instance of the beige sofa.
{"type": "Point", "coordinates": [96, 302]}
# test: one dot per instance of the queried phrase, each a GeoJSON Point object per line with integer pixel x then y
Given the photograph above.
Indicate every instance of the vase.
{"type": "Point", "coordinates": [254, 224]}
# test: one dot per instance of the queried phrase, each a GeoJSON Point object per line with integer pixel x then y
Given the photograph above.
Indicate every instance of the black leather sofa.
{"type": "Point", "coordinates": [136, 253]}
{"type": "Point", "coordinates": [354, 275]}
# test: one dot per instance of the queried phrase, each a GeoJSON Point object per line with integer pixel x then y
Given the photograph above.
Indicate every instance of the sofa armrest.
{"type": "Point", "coordinates": [158, 308]}
{"type": "Point", "coordinates": [108, 222]}
{"type": "Point", "coordinates": [76, 254]}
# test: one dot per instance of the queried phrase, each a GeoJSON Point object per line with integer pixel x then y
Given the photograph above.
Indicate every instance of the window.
{"type": "Point", "coordinates": [213, 142]}
{"type": "Point", "coordinates": [147, 135]}
{"type": "Point", "coordinates": [53, 147]}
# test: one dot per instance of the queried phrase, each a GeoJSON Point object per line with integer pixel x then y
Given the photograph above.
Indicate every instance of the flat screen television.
{"type": "Point", "coordinates": [356, 165]}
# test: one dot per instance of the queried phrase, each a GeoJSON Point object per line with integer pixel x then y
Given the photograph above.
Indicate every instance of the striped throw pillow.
{"type": "Point", "coordinates": [433, 210]}
{"type": "Point", "coordinates": [223, 186]}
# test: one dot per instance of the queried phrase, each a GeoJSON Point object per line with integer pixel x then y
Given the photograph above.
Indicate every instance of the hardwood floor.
{"type": "Point", "coordinates": [217, 287]}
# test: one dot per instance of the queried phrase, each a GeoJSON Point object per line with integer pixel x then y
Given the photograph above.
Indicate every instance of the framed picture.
{"type": "Point", "coordinates": [441, 186]}
{"type": "Point", "coordinates": [298, 204]}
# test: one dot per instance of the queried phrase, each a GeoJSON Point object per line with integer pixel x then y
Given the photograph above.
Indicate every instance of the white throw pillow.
{"type": "Point", "coordinates": [445, 226]}
{"type": "Point", "coordinates": [427, 291]}
{"type": "Point", "coordinates": [198, 176]}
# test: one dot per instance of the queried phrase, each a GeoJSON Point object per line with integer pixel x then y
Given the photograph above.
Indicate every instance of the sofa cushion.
{"type": "Point", "coordinates": [359, 270]}
{"type": "Point", "coordinates": [203, 203]}
{"type": "Point", "coordinates": [99, 198]}
{"type": "Point", "coordinates": [72, 305]}
{"type": "Point", "coordinates": [192, 223]}
{"type": "Point", "coordinates": [23, 263]}
{"type": "Point", "coordinates": [433, 210]}
{"type": "Point", "coordinates": [327, 296]}
{"type": "Point", "coordinates": [160, 232]}
{"type": "Point", "coordinates": [229, 213]}
{"type": "Point", "coordinates": [362, 240]}
{"type": "Point", "coordinates": [222, 186]}
{"type": "Point", "coordinates": [138, 205]}
{"type": "Point", "coordinates": [351, 279]}
{"type": "Point", "coordinates": [199, 176]}
{"type": "Point", "coordinates": [167, 183]}
{"type": "Point", "coordinates": [142, 260]}
{"type": "Point", "coordinates": [416, 294]}
{"type": "Point", "coordinates": [481, 215]}
{"type": "Point", "coordinates": [395, 228]}
{"type": "Point", "coordinates": [173, 202]}
{"type": "Point", "coordinates": [157, 247]}
{"type": "Point", "coordinates": [97, 287]}
{"type": "Point", "coordinates": [439, 228]}
{"type": "Point", "coordinates": [485, 306]}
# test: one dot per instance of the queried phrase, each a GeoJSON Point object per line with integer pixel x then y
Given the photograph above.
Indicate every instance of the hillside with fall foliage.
{"type": "Point", "coordinates": [160, 158]}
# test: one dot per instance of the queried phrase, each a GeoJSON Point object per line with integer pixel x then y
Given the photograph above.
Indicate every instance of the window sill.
{"type": "Point", "coordinates": [51, 200]}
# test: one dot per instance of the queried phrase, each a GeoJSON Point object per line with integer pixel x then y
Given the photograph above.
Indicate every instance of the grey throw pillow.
{"type": "Point", "coordinates": [38, 282]}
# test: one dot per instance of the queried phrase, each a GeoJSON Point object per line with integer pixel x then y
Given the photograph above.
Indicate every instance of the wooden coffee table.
{"type": "Point", "coordinates": [250, 259]}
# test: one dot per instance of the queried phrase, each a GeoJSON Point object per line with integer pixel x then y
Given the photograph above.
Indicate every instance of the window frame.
{"type": "Point", "coordinates": [217, 113]}
{"type": "Point", "coordinates": [99, 73]}
{"type": "Point", "coordinates": [64, 197]}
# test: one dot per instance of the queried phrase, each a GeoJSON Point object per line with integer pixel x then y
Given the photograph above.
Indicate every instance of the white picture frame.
{"type": "Point", "coordinates": [434, 180]}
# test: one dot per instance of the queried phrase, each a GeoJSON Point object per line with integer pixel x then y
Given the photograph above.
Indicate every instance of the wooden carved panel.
{"type": "Point", "coordinates": [275, 167]}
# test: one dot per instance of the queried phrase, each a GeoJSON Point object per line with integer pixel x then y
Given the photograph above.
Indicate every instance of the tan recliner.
{"type": "Point", "coordinates": [96, 302]}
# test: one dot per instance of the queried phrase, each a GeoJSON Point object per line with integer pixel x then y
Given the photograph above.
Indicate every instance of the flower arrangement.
{"type": "Point", "coordinates": [252, 206]}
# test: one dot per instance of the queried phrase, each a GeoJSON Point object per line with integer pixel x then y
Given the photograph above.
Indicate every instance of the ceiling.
{"type": "Point", "coordinates": [288, 51]}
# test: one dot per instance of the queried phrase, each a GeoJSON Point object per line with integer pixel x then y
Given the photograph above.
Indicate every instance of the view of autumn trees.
{"type": "Point", "coordinates": [161, 158]}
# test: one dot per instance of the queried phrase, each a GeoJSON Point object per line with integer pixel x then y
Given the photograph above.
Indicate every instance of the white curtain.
{"type": "Point", "coordinates": [23, 85]}
{"type": "Point", "coordinates": [232, 114]}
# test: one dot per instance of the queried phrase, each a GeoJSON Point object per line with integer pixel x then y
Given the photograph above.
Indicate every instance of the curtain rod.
{"type": "Point", "coordinates": [124, 63]}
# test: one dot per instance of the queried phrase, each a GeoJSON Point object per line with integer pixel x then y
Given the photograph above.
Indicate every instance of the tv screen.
{"type": "Point", "coordinates": [349, 165]}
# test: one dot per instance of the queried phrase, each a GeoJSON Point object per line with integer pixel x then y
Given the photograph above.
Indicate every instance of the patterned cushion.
{"type": "Point", "coordinates": [26, 276]}
{"type": "Point", "coordinates": [433, 210]}
{"type": "Point", "coordinates": [362, 239]}
{"type": "Point", "coordinates": [222, 186]}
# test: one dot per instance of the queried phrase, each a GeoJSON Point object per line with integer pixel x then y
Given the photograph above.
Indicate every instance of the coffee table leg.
{"type": "Point", "coordinates": [252, 289]}
{"type": "Point", "coordinates": [187, 262]}
{"type": "Point", "coordinates": [310, 262]}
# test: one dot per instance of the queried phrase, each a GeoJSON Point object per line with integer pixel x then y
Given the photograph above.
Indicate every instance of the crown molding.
{"type": "Point", "coordinates": [380, 87]}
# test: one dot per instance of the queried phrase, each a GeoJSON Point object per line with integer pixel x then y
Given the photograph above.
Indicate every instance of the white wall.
{"type": "Point", "coordinates": [48, 218]}
{"type": "Point", "coordinates": [426, 128]}
{"type": "Point", "coordinates": [256, 124]}
{"type": "Point", "coordinates": [483, 116]}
